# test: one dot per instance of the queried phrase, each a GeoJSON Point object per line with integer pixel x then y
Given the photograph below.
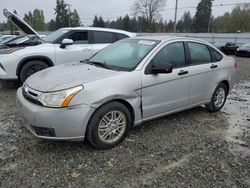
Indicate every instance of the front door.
{"type": "Point", "coordinates": [165, 93]}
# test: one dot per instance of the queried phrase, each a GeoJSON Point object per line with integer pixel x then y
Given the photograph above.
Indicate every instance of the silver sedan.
{"type": "Point", "coordinates": [125, 84]}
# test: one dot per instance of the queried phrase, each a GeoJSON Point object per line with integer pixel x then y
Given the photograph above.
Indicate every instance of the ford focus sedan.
{"type": "Point", "coordinates": [127, 83]}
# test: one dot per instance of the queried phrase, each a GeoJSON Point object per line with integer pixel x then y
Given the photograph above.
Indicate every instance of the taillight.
{"type": "Point", "coordinates": [235, 66]}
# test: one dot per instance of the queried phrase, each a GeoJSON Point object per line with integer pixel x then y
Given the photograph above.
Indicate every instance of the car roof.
{"type": "Point", "coordinates": [166, 38]}
{"type": "Point", "coordinates": [102, 29]}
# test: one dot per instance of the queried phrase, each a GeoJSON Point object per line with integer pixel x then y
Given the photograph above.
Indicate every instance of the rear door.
{"type": "Point", "coordinates": [201, 71]}
{"type": "Point", "coordinates": [79, 50]}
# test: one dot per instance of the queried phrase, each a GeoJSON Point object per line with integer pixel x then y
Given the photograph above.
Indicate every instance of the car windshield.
{"type": "Point", "coordinates": [52, 37]}
{"type": "Point", "coordinates": [125, 54]}
{"type": "Point", "coordinates": [246, 46]}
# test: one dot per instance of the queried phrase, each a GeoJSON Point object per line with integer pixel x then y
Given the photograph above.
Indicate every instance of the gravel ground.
{"type": "Point", "coordinates": [194, 148]}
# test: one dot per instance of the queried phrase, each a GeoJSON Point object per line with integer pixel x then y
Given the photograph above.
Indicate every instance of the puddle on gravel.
{"type": "Point", "coordinates": [237, 109]}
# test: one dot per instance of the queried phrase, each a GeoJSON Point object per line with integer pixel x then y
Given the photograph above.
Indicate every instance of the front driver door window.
{"type": "Point", "coordinates": [164, 93]}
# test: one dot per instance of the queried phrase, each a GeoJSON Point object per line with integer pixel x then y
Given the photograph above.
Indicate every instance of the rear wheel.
{"type": "Point", "coordinates": [109, 125]}
{"type": "Point", "coordinates": [218, 99]}
{"type": "Point", "coordinates": [30, 68]}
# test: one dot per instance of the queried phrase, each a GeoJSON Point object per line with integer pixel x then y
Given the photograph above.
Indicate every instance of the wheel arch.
{"type": "Point", "coordinates": [226, 83]}
{"type": "Point", "coordinates": [45, 59]}
{"type": "Point", "coordinates": [122, 101]}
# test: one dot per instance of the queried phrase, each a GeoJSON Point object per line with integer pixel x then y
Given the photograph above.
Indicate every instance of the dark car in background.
{"type": "Point", "coordinates": [243, 51]}
{"type": "Point", "coordinates": [228, 48]}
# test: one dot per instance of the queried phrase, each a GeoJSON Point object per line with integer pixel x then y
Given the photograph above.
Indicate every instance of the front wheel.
{"type": "Point", "coordinates": [218, 99]}
{"type": "Point", "coordinates": [109, 125]}
{"type": "Point", "coordinates": [30, 68]}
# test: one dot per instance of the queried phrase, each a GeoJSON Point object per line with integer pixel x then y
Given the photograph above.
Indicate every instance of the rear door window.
{"type": "Point", "coordinates": [101, 37]}
{"type": "Point", "coordinates": [199, 53]}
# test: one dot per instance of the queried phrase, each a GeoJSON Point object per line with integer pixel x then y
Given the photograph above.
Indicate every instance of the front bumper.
{"type": "Point", "coordinates": [59, 124]}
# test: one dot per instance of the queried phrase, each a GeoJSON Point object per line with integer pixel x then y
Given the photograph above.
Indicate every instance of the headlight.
{"type": "Point", "coordinates": [59, 99]}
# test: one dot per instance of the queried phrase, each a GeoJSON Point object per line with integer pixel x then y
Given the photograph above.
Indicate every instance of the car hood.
{"type": "Point", "coordinates": [67, 76]}
{"type": "Point", "coordinates": [19, 22]}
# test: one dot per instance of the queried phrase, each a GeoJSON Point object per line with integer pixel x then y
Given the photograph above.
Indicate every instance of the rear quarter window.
{"type": "Point", "coordinates": [216, 56]}
{"type": "Point", "coordinates": [101, 37]}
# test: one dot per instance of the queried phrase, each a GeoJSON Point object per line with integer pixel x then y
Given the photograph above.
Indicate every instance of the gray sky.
{"type": "Point", "coordinates": [108, 9]}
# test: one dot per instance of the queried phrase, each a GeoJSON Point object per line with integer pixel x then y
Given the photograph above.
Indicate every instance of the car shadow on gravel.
{"type": "Point", "coordinates": [143, 130]}
{"type": "Point", "coordinates": [9, 84]}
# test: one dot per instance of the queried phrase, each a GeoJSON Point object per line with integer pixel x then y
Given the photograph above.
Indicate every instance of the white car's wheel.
{"type": "Point", "coordinates": [30, 68]}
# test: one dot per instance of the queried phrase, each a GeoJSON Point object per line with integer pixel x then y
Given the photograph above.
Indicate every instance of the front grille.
{"type": "Point", "coordinates": [30, 94]}
{"type": "Point", "coordinates": [44, 131]}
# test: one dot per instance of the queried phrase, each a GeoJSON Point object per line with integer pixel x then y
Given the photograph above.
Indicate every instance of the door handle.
{"type": "Point", "coordinates": [213, 66]}
{"type": "Point", "coordinates": [182, 72]}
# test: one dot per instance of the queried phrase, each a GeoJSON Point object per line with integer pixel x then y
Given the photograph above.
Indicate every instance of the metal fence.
{"type": "Point", "coordinates": [238, 38]}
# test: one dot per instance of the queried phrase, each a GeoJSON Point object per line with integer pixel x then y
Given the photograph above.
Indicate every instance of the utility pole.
{"type": "Point", "coordinates": [175, 17]}
{"type": "Point", "coordinates": [210, 17]}
{"type": "Point", "coordinates": [69, 13]}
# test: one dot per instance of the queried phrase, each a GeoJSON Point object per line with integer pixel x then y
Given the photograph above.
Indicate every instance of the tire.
{"type": "Point", "coordinates": [218, 99]}
{"type": "Point", "coordinates": [101, 129]}
{"type": "Point", "coordinates": [30, 68]}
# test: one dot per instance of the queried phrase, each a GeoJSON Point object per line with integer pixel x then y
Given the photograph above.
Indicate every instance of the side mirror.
{"type": "Point", "coordinates": [66, 42]}
{"type": "Point", "coordinates": [160, 68]}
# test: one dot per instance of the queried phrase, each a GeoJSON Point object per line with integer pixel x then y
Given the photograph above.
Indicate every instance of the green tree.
{"type": "Point", "coordinates": [52, 25]}
{"type": "Point", "coordinates": [62, 14]}
{"type": "Point", "coordinates": [75, 19]}
{"type": "Point", "coordinates": [35, 20]}
{"type": "Point", "coordinates": [187, 22]}
{"type": "Point", "coordinates": [126, 23]}
{"type": "Point", "coordinates": [98, 22]}
{"type": "Point", "coordinates": [95, 22]}
{"type": "Point", "coordinates": [235, 21]}
{"type": "Point", "coordinates": [203, 15]}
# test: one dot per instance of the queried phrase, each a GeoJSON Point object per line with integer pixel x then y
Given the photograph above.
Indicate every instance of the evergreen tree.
{"type": "Point", "coordinates": [62, 14]}
{"type": "Point", "coordinates": [187, 21]}
{"type": "Point", "coordinates": [126, 23]}
{"type": "Point", "coordinates": [95, 22]}
{"type": "Point", "coordinates": [52, 25]}
{"type": "Point", "coordinates": [75, 19]}
{"type": "Point", "coordinates": [202, 16]}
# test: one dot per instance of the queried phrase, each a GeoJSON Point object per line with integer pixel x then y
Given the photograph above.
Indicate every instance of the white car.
{"type": "Point", "coordinates": [62, 46]}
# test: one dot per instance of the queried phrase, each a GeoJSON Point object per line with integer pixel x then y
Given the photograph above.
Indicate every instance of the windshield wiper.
{"type": "Point", "coordinates": [104, 65]}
